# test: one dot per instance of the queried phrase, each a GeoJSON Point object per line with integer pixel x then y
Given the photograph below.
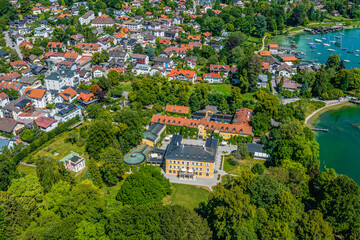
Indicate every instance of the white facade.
{"type": "Point", "coordinates": [58, 80]}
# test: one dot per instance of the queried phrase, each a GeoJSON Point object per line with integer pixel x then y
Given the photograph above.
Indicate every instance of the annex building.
{"type": "Point", "coordinates": [207, 121]}
{"type": "Point", "coordinates": [190, 161]}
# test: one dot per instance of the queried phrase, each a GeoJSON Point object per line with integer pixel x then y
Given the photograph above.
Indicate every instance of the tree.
{"type": "Point", "coordinates": [138, 48]}
{"type": "Point", "coordinates": [261, 123]}
{"type": "Point", "coordinates": [101, 134]}
{"type": "Point", "coordinates": [147, 186]}
{"type": "Point", "coordinates": [150, 51]}
{"type": "Point", "coordinates": [94, 110]}
{"type": "Point", "coordinates": [333, 61]}
{"type": "Point", "coordinates": [92, 231]}
{"type": "Point", "coordinates": [253, 69]}
{"type": "Point", "coordinates": [49, 172]}
{"type": "Point", "coordinates": [313, 226]}
{"type": "Point", "coordinates": [37, 51]}
{"type": "Point", "coordinates": [241, 151]}
{"type": "Point", "coordinates": [258, 169]}
{"type": "Point", "coordinates": [114, 77]}
{"type": "Point", "coordinates": [113, 167]}
{"type": "Point", "coordinates": [214, 25]}
{"type": "Point", "coordinates": [95, 173]}
{"type": "Point", "coordinates": [25, 6]}
{"type": "Point", "coordinates": [321, 83]}
{"type": "Point", "coordinates": [260, 25]}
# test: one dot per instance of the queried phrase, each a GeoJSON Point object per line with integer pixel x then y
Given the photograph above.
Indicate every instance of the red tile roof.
{"type": "Point", "coordinates": [44, 122]}
{"type": "Point", "coordinates": [177, 109]}
{"type": "Point", "coordinates": [211, 75]}
{"type": "Point", "coordinates": [35, 92]}
{"type": "Point", "coordinates": [3, 95]}
{"type": "Point", "coordinates": [69, 92]}
{"type": "Point", "coordinates": [186, 73]}
{"type": "Point", "coordinates": [97, 67]}
{"type": "Point", "coordinates": [86, 97]}
{"type": "Point", "coordinates": [265, 53]}
{"type": "Point", "coordinates": [214, 67]}
{"type": "Point", "coordinates": [71, 55]}
{"type": "Point", "coordinates": [55, 44]}
{"type": "Point", "coordinates": [88, 46]}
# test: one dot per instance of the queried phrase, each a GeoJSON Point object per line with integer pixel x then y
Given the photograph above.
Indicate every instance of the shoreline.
{"type": "Point", "coordinates": [303, 30]}
{"type": "Point", "coordinates": [322, 110]}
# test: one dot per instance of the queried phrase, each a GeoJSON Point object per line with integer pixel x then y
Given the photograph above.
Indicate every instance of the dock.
{"type": "Point", "coordinates": [356, 101]}
{"type": "Point", "coordinates": [320, 129]}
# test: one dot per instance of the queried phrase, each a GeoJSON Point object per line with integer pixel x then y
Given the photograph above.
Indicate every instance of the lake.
{"type": "Point", "coordinates": [349, 38]}
{"type": "Point", "coordinates": [340, 147]}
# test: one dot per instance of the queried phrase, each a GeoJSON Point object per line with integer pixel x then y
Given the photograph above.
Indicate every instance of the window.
{"type": "Point", "coordinates": [169, 171]}
{"type": "Point", "coordinates": [170, 161]}
{"type": "Point", "coordinates": [196, 173]}
{"type": "Point", "coordinates": [208, 165]}
{"type": "Point", "coordinates": [200, 173]}
{"type": "Point", "coordinates": [201, 169]}
{"type": "Point", "coordinates": [208, 169]}
{"type": "Point", "coordinates": [201, 164]}
{"type": "Point", "coordinates": [207, 174]}
{"type": "Point", "coordinates": [182, 163]}
{"type": "Point", "coordinates": [193, 163]}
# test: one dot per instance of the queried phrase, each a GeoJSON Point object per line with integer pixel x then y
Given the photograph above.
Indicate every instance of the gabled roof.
{"type": "Point", "coordinates": [186, 73]}
{"type": "Point", "coordinates": [44, 122]}
{"type": "Point", "coordinates": [86, 97]}
{"type": "Point", "coordinates": [97, 67]}
{"type": "Point", "coordinates": [69, 92]}
{"type": "Point", "coordinates": [3, 95]}
{"type": "Point", "coordinates": [211, 75]}
{"type": "Point", "coordinates": [71, 55]}
{"type": "Point", "coordinates": [177, 109]}
{"type": "Point", "coordinates": [214, 67]}
{"type": "Point", "coordinates": [35, 92]}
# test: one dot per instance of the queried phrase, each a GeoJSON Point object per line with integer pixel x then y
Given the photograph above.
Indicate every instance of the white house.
{"type": "Point", "coordinates": [87, 18]}
{"type": "Point", "coordinates": [98, 71]}
{"type": "Point", "coordinates": [285, 70]}
{"type": "Point", "coordinates": [59, 79]}
{"type": "Point", "coordinates": [141, 69]}
{"type": "Point", "coordinates": [4, 99]}
{"type": "Point", "coordinates": [46, 124]}
{"type": "Point", "coordinates": [41, 32]}
{"type": "Point", "coordinates": [40, 97]}
{"type": "Point", "coordinates": [212, 77]}
{"type": "Point", "coordinates": [74, 162]}
{"type": "Point", "coordinates": [63, 112]}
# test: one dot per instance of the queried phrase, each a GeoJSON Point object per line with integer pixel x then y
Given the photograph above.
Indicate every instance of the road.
{"type": "Point", "coordinates": [9, 43]}
{"type": "Point", "coordinates": [26, 164]}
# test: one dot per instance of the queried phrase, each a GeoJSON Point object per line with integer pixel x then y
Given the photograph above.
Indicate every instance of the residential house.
{"type": "Point", "coordinates": [60, 79]}
{"type": "Point", "coordinates": [212, 77]}
{"type": "Point", "coordinates": [39, 96]}
{"type": "Point", "coordinates": [105, 42]}
{"type": "Point", "coordinates": [46, 124]}
{"type": "Point", "coordinates": [73, 162]}
{"type": "Point", "coordinates": [133, 26]}
{"type": "Point", "coordinates": [36, 59]}
{"type": "Point", "coordinates": [220, 69]}
{"type": "Point", "coordinates": [98, 71]}
{"type": "Point", "coordinates": [190, 161]}
{"type": "Point", "coordinates": [18, 65]}
{"type": "Point", "coordinates": [289, 59]}
{"type": "Point", "coordinates": [11, 126]}
{"type": "Point", "coordinates": [21, 105]}
{"type": "Point", "coordinates": [66, 65]}
{"type": "Point", "coordinates": [86, 98]}
{"type": "Point", "coordinates": [256, 151]}
{"type": "Point", "coordinates": [164, 62]}
{"type": "Point", "coordinates": [141, 69]}
{"type": "Point", "coordinates": [41, 32]}
{"type": "Point", "coordinates": [102, 22]}
{"type": "Point", "coordinates": [30, 82]}
{"type": "Point", "coordinates": [285, 70]}
{"type": "Point", "coordinates": [128, 44]}
{"type": "Point", "coordinates": [88, 48]}
{"type": "Point", "coordinates": [63, 112]}
{"type": "Point", "coordinates": [4, 99]}
{"type": "Point", "coordinates": [87, 18]}
{"type": "Point", "coordinates": [139, 59]}
{"type": "Point", "coordinates": [56, 46]}
{"type": "Point", "coordinates": [262, 81]}
{"type": "Point", "coordinates": [72, 56]}
{"type": "Point", "coordinates": [183, 75]}
{"type": "Point", "coordinates": [274, 48]}
{"type": "Point", "coordinates": [191, 61]}
{"type": "Point", "coordinates": [36, 11]}
{"type": "Point", "coordinates": [288, 84]}
{"type": "Point", "coordinates": [75, 39]}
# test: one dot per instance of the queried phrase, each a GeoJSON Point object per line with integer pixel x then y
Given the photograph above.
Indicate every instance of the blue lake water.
{"type": "Point", "coordinates": [349, 38]}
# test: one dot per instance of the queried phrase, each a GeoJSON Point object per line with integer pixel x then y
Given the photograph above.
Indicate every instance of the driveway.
{"type": "Point", "coordinates": [9, 43]}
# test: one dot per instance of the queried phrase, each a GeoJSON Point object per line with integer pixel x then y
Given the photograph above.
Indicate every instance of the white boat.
{"type": "Point", "coordinates": [310, 43]}
{"type": "Point", "coordinates": [357, 50]}
{"type": "Point", "coordinates": [318, 40]}
{"type": "Point", "coordinates": [323, 38]}
{"type": "Point", "coordinates": [319, 53]}
{"type": "Point", "coordinates": [347, 61]}
{"type": "Point", "coordinates": [332, 41]}
{"type": "Point", "coordinates": [331, 50]}
{"type": "Point", "coordinates": [326, 44]}
{"type": "Point", "coordinates": [356, 55]}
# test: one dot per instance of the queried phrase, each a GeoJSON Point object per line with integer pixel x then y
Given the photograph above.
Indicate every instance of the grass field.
{"type": "Point", "coordinates": [26, 170]}
{"type": "Point", "coordinates": [61, 147]}
{"type": "Point", "coordinates": [234, 167]}
{"type": "Point", "coordinates": [222, 88]}
{"type": "Point", "coordinates": [187, 195]}
{"type": "Point", "coordinates": [126, 86]}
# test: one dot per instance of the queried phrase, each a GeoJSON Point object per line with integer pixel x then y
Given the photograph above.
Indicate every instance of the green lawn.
{"type": "Point", "coordinates": [296, 29]}
{"type": "Point", "coordinates": [186, 195]}
{"type": "Point", "coordinates": [111, 192]}
{"type": "Point", "coordinates": [26, 170]}
{"type": "Point", "coordinates": [222, 88]}
{"type": "Point", "coordinates": [234, 167]}
{"type": "Point", "coordinates": [126, 86]}
{"type": "Point", "coordinates": [61, 147]}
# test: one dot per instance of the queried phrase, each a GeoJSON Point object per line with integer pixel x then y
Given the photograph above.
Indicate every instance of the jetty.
{"type": "Point", "coordinates": [320, 129]}
{"type": "Point", "coordinates": [318, 30]}
{"type": "Point", "coordinates": [356, 101]}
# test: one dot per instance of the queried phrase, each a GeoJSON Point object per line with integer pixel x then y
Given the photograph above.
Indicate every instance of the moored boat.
{"type": "Point", "coordinates": [326, 44]}
{"type": "Point", "coordinates": [331, 50]}
{"type": "Point", "coordinates": [318, 40]}
{"type": "Point", "coordinates": [347, 61]}
{"type": "Point", "coordinates": [350, 51]}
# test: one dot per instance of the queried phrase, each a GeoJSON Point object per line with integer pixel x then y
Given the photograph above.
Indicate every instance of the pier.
{"type": "Point", "coordinates": [356, 101]}
{"type": "Point", "coordinates": [320, 129]}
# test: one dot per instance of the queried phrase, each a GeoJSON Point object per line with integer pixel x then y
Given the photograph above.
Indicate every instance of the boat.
{"type": "Point", "coordinates": [337, 37]}
{"type": "Point", "coordinates": [326, 44]}
{"type": "Point", "coordinates": [318, 40]}
{"type": "Point", "coordinates": [356, 55]}
{"type": "Point", "coordinates": [357, 50]}
{"type": "Point", "coordinates": [343, 48]}
{"type": "Point", "coordinates": [319, 53]}
{"type": "Point", "coordinates": [347, 61]}
{"type": "Point", "coordinates": [310, 43]}
{"type": "Point", "coordinates": [350, 51]}
{"type": "Point", "coordinates": [331, 50]}
{"type": "Point", "coordinates": [313, 50]}
{"type": "Point", "coordinates": [323, 38]}
{"type": "Point", "coordinates": [312, 46]}
{"type": "Point", "coordinates": [338, 44]}
{"type": "Point", "coordinates": [341, 33]}
{"type": "Point", "coordinates": [332, 41]}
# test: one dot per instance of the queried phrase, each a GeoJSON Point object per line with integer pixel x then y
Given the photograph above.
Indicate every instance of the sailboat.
{"type": "Point", "coordinates": [326, 44]}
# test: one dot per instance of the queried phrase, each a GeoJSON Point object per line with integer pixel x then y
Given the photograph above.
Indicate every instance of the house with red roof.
{"type": "Point", "coordinates": [68, 95]}
{"type": "Point", "coordinates": [36, 11]}
{"type": "Point", "coordinates": [177, 109]}
{"type": "Point", "coordinates": [183, 75]}
{"type": "Point", "coordinates": [212, 77]}
{"type": "Point", "coordinates": [46, 124]}
{"type": "Point", "coordinates": [88, 48]}
{"type": "Point", "coordinates": [220, 69]}
{"type": "Point", "coordinates": [98, 71]}
{"type": "Point", "coordinates": [56, 46]}
{"type": "Point", "coordinates": [86, 99]}
{"type": "Point", "coordinates": [4, 99]}
{"type": "Point", "coordinates": [18, 65]}
{"type": "Point", "coordinates": [39, 96]}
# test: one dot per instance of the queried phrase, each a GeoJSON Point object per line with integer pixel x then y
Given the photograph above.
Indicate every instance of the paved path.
{"type": "Point", "coordinates": [26, 164]}
{"type": "Point", "coordinates": [263, 45]}
{"type": "Point", "coordinates": [9, 43]}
